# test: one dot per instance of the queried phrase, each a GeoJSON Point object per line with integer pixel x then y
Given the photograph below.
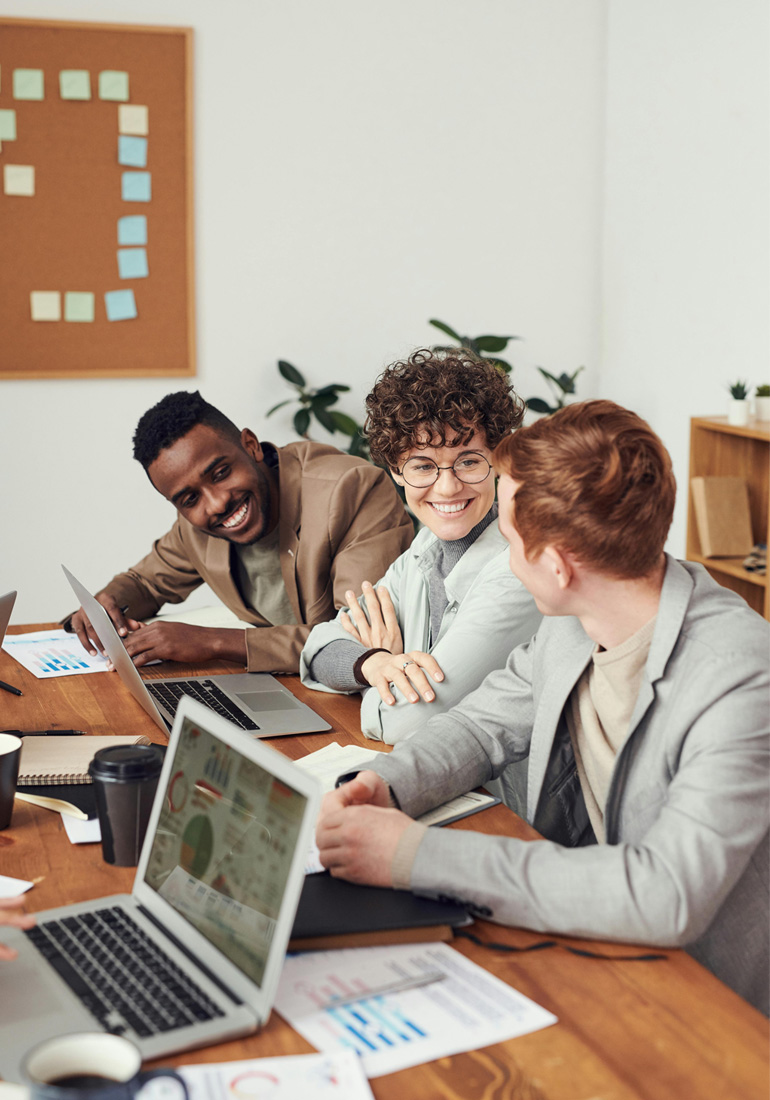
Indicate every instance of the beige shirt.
{"type": "Point", "coordinates": [260, 580]}
{"type": "Point", "coordinates": [598, 715]}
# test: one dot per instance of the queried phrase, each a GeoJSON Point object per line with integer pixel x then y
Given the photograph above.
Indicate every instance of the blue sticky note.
{"type": "Point", "coordinates": [120, 304]}
{"type": "Point", "coordinates": [136, 187]}
{"type": "Point", "coordinates": [132, 229]}
{"type": "Point", "coordinates": [132, 151]}
{"type": "Point", "coordinates": [132, 263]}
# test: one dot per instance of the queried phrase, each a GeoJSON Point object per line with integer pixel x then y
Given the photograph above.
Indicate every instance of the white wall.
{"type": "Point", "coordinates": [359, 168]}
{"type": "Point", "coordinates": [686, 284]}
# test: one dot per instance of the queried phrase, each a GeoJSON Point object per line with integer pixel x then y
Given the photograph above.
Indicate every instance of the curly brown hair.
{"type": "Point", "coordinates": [446, 395]}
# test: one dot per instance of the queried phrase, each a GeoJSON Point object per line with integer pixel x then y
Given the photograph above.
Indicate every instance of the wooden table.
{"type": "Point", "coordinates": [665, 1029]}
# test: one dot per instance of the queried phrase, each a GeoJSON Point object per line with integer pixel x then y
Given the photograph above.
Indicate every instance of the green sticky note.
{"type": "Point", "coordinates": [75, 84]}
{"type": "Point", "coordinates": [113, 85]}
{"type": "Point", "coordinates": [78, 305]}
{"type": "Point", "coordinates": [7, 125]}
{"type": "Point", "coordinates": [28, 84]}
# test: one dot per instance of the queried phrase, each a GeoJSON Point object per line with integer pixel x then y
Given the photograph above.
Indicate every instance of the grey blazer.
{"type": "Point", "coordinates": [688, 808]}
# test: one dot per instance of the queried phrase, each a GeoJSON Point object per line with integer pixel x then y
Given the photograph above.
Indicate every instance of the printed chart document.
{"type": "Point", "coordinates": [47, 653]}
{"type": "Point", "coordinates": [467, 1010]}
{"type": "Point", "coordinates": [319, 979]}
{"type": "Point", "coordinates": [337, 1076]}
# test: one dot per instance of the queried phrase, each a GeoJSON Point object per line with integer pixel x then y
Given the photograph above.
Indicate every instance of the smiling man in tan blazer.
{"type": "Point", "coordinates": [278, 533]}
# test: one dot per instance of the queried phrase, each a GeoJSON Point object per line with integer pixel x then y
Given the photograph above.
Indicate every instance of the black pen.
{"type": "Point", "coordinates": [9, 687]}
{"type": "Point", "coordinates": [44, 733]}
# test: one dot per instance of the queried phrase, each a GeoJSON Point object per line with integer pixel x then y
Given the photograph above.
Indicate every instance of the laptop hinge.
{"type": "Point", "coordinates": [195, 961]}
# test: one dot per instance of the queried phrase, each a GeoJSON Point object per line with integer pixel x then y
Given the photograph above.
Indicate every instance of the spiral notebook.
{"type": "Point", "coordinates": [52, 759]}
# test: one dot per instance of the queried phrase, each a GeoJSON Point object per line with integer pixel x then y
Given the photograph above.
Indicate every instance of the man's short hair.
{"type": "Point", "coordinates": [173, 417]}
{"type": "Point", "coordinates": [595, 480]}
{"type": "Point", "coordinates": [449, 394]}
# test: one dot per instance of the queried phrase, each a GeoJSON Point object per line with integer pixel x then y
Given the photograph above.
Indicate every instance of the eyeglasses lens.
{"type": "Point", "coordinates": [470, 468]}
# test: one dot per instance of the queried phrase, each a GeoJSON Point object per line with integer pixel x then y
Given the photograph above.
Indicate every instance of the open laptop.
{"type": "Point", "coordinates": [6, 607]}
{"type": "Point", "coordinates": [255, 701]}
{"type": "Point", "coordinates": [215, 892]}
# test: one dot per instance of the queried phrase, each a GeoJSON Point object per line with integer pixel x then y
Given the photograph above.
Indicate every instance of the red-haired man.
{"type": "Point", "coordinates": [642, 703]}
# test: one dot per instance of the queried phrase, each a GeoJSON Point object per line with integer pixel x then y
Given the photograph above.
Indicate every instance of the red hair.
{"type": "Point", "coordinates": [596, 481]}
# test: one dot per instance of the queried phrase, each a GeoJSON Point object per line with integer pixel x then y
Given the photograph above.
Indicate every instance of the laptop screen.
{"type": "Point", "coordinates": [223, 846]}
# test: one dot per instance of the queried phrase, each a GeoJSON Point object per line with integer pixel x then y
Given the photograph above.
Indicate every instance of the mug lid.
{"type": "Point", "coordinates": [127, 762]}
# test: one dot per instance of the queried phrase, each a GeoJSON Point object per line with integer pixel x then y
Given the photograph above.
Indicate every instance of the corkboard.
{"type": "Point", "coordinates": [64, 238]}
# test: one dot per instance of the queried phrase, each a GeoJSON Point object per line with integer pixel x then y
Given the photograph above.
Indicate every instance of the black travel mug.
{"type": "Point", "coordinates": [125, 779]}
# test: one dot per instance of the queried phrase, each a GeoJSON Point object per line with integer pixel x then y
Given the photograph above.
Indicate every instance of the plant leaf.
{"type": "Point", "coordinates": [301, 421]}
{"type": "Point", "coordinates": [290, 373]}
{"type": "Point", "coordinates": [345, 423]}
{"type": "Point", "coordinates": [325, 418]}
{"type": "Point", "coordinates": [280, 405]}
{"type": "Point", "coordinates": [493, 343]}
{"type": "Point", "coordinates": [445, 328]}
{"type": "Point", "coordinates": [322, 400]}
{"type": "Point", "coordinates": [334, 388]}
{"type": "Point", "coordinates": [537, 405]}
{"type": "Point", "coordinates": [550, 377]}
{"type": "Point", "coordinates": [503, 364]}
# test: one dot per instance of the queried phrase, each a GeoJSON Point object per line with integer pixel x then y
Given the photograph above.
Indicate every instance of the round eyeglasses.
{"type": "Point", "coordinates": [470, 467]}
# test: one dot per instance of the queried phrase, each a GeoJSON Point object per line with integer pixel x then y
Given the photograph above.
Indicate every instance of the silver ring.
{"type": "Point", "coordinates": [409, 662]}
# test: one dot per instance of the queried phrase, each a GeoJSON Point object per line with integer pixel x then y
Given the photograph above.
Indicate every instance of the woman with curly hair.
{"type": "Point", "coordinates": [449, 610]}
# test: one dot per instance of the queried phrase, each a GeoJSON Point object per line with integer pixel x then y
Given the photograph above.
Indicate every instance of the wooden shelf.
{"type": "Point", "coordinates": [733, 567]}
{"type": "Point", "coordinates": [719, 449]}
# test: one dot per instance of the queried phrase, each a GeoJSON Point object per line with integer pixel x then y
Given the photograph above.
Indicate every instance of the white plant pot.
{"type": "Point", "coordinates": [762, 406]}
{"type": "Point", "coordinates": [738, 413]}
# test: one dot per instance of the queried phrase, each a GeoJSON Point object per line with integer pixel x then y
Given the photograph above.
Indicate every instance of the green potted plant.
{"type": "Point", "coordinates": [762, 402]}
{"type": "Point", "coordinates": [738, 412]}
{"type": "Point", "coordinates": [317, 403]}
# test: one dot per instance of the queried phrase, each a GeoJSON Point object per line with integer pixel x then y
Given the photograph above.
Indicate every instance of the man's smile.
{"type": "Point", "coordinates": [235, 518]}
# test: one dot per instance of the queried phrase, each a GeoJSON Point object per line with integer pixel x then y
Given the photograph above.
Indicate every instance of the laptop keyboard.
{"type": "Point", "coordinates": [205, 691]}
{"type": "Point", "coordinates": [121, 975]}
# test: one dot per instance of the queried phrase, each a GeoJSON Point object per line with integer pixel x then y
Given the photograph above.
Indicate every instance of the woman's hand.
{"type": "Point", "coordinates": [377, 628]}
{"type": "Point", "coordinates": [404, 671]}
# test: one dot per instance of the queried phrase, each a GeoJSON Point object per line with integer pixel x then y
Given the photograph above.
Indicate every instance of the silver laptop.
{"type": "Point", "coordinates": [194, 954]}
{"type": "Point", "coordinates": [255, 701]}
{"type": "Point", "coordinates": [6, 607]}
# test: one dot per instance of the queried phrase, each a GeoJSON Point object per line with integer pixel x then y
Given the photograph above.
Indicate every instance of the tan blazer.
{"type": "Point", "coordinates": [340, 523]}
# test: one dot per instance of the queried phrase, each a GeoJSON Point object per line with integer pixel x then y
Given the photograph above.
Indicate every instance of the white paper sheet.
{"type": "Point", "coordinates": [82, 832]}
{"type": "Point", "coordinates": [469, 1009]}
{"type": "Point", "coordinates": [11, 887]}
{"type": "Point", "coordinates": [337, 1076]}
{"type": "Point", "coordinates": [315, 980]}
{"type": "Point", "coordinates": [47, 653]}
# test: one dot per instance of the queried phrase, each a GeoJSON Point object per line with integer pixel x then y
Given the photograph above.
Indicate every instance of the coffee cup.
{"type": "Point", "coordinates": [10, 755]}
{"type": "Point", "coordinates": [125, 779]}
{"type": "Point", "coordinates": [89, 1066]}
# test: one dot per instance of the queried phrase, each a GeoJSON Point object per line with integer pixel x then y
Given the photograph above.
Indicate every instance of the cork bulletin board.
{"type": "Point", "coordinates": [96, 260]}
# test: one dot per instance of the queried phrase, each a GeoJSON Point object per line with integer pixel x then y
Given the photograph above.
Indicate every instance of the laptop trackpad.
{"type": "Point", "coordinates": [30, 994]}
{"type": "Point", "coordinates": [262, 702]}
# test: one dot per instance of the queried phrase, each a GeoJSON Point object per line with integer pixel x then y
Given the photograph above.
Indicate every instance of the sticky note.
{"type": "Point", "coordinates": [19, 179]}
{"type": "Point", "coordinates": [7, 125]}
{"type": "Point", "coordinates": [78, 305]}
{"type": "Point", "coordinates": [45, 305]}
{"type": "Point", "coordinates": [121, 305]}
{"type": "Point", "coordinates": [133, 119]}
{"type": "Point", "coordinates": [28, 84]}
{"type": "Point", "coordinates": [136, 187]}
{"type": "Point", "coordinates": [132, 230]}
{"type": "Point", "coordinates": [75, 84]}
{"type": "Point", "coordinates": [132, 263]}
{"type": "Point", "coordinates": [113, 85]}
{"type": "Point", "coordinates": [132, 151]}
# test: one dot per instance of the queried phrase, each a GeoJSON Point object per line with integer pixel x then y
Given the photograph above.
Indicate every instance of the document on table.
{"type": "Point", "coordinates": [316, 980]}
{"type": "Point", "coordinates": [469, 1009]}
{"type": "Point", "coordinates": [338, 1076]}
{"type": "Point", "coordinates": [333, 760]}
{"type": "Point", "coordinates": [47, 653]}
{"type": "Point", "coordinates": [10, 887]}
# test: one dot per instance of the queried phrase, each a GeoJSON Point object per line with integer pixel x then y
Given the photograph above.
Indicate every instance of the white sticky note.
{"type": "Point", "coordinates": [133, 119]}
{"type": "Point", "coordinates": [81, 832]}
{"type": "Point", "coordinates": [45, 305]}
{"type": "Point", "coordinates": [19, 179]}
{"type": "Point", "coordinates": [12, 887]}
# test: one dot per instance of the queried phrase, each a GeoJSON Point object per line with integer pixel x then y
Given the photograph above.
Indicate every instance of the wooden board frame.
{"type": "Point", "coordinates": [63, 239]}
